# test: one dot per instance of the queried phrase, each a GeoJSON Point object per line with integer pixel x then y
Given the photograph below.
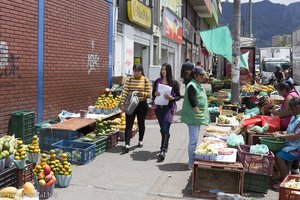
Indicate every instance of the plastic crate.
{"type": "Point", "coordinates": [21, 122]}
{"type": "Point", "coordinates": [209, 177]}
{"type": "Point", "coordinates": [8, 177]}
{"type": "Point", "coordinates": [112, 139]}
{"type": "Point", "coordinates": [25, 175]}
{"type": "Point", "coordinates": [49, 136]}
{"type": "Point", "coordinates": [289, 193]}
{"type": "Point", "coordinates": [256, 182]}
{"type": "Point", "coordinates": [253, 139]}
{"type": "Point", "coordinates": [79, 153]}
{"type": "Point", "coordinates": [100, 142]}
{"type": "Point", "coordinates": [40, 125]}
{"type": "Point", "coordinates": [259, 164]}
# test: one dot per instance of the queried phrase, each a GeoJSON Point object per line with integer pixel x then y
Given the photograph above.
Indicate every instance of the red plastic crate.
{"type": "Point", "coordinates": [112, 139]}
{"type": "Point", "coordinates": [258, 164]}
{"type": "Point", "coordinates": [208, 176]}
{"type": "Point", "coordinates": [289, 193]}
{"type": "Point", "coordinates": [25, 175]}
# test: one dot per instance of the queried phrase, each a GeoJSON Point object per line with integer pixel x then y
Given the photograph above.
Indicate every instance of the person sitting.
{"type": "Point", "coordinates": [291, 149]}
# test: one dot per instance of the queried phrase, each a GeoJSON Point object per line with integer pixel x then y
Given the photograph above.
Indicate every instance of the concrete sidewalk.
{"type": "Point", "coordinates": [137, 174]}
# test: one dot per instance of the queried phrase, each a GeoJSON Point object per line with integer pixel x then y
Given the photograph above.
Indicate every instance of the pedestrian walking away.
{"type": "Point", "coordinates": [140, 86]}
{"type": "Point", "coordinates": [186, 70]}
{"type": "Point", "coordinates": [165, 111]}
{"type": "Point", "coordinates": [195, 110]}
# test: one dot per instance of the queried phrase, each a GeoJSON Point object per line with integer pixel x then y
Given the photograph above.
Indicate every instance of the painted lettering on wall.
{"type": "Point", "coordinates": [8, 67]}
{"type": "Point", "coordinates": [93, 60]}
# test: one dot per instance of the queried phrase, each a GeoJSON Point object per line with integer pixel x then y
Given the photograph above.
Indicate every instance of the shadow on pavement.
{"type": "Point", "coordinates": [173, 167]}
{"type": "Point", "coordinates": [116, 149]}
{"type": "Point", "coordinates": [187, 191]}
{"type": "Point", "coordinates": [143, 155]}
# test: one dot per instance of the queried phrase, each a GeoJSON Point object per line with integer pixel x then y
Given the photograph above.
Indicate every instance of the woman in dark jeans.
{"type": "Point", "coordinates": [165, 113]}
{"type": "Point", "coordinates": [140, 85]}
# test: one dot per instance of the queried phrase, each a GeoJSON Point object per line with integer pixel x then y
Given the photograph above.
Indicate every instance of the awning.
{"type": "Point", "coordinates": [218, 41]}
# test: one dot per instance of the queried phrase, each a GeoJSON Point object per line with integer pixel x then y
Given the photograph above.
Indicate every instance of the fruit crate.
{"type": "Point", "coordinates": [79, 153]}
{"type": "Point", "coordinates": [25, 175]}
{"type": "Point", "coordinates": [100, 142]}
{"type": "Point", "coordinates": [22, 123]}
{"type": "Point", "coordinates": [8, 177]}
{"type": "Point", "coordinates": [208, 176]}
{"type": "Point", "coordinates": [256, 182]}
{"type": "Point", "coordinates": [112, 139]}
{"type": "Point", "coordinates": [258, 164]}
{"type": "Point", "coordinates": [49, 136]}
{"type": "Point", "coordinates": [286, 193]}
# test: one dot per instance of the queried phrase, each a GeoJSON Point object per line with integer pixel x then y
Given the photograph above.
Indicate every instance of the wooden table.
{"type": "Point", "coordinates": [73, 124]}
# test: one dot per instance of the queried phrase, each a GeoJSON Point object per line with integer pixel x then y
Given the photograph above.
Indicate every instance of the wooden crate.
{"type": "Point", "coordinates": [253, 139]}
{"type": "Point", "coordinates": [209, 176]}
{"type": "Point", "coordinates": [25, 175]}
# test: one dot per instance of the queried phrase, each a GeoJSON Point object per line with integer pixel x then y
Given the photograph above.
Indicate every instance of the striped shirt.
{"type": "Point", "coordinates": [140, 84]}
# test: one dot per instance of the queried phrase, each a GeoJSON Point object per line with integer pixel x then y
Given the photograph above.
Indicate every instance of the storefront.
{"type": "Point", "coordinates": [171, 40]}
{"type": "Point", "coordinates": [134, 43]}
{"type": "Point", "coordinates": [189, 49]}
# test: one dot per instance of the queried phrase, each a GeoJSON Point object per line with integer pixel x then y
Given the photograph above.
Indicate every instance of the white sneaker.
{"type": "Point", "coordinates": [294, 171]}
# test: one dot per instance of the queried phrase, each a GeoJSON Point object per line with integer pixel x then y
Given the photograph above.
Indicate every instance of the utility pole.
{"type": "Point", "coordinates": [235, 71]}
{"type": "Point", "coordinates": [250, 18]}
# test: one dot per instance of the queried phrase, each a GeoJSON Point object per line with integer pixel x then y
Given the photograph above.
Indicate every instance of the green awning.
{"type": "Point", "coordinates": [244, 60]}
{"type": "Point", "coordinates": [218, 41]}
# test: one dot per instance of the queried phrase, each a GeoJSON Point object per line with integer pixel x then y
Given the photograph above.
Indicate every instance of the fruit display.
{"type": "Point", "coordinates": [46, 176]}
{"type": "Point", "coordinates": [107, 103]}
{"type": "Point", "coordinates": [257, 88]}
{"type": "Point", "coordinates": [33, 150]}
{"type": "Point", "coordinates": [5, 152]}
{"type": "Point", "coordinates": [28, 191]}
{"type": "Point", "coordinates": [40, 166]}
{"type": "Point", "coordinates": [20, 154]}
{"type": "Point", "coordinates": [64, 167]}
{"type": "Point", "coordinates": [52, 161]}
{"type": "Point", "coordinates": [104, 127]}
{"type": "Point", "coordinates": [210, 145]}
{"type": "Point", "coordinates": [223, 120]}
{"type": "Point", "coordinates": [293, 183]}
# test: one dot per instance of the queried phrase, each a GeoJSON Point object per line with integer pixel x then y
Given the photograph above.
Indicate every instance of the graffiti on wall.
{"type": "Point", "coordinates": [8, 67]}
{"type": "Point", "coordinates": [93, 60]}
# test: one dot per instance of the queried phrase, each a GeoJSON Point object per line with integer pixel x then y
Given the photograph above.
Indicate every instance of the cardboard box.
{"type": "Point", "coordinates": [118, 79]}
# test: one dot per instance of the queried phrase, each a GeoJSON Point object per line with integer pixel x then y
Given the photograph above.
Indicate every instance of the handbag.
{"type": "Point", "coordinates": [131, 103]}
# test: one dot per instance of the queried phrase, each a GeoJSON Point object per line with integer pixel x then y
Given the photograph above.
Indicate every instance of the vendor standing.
{"type": "Point", "coordinates": [195, 110]}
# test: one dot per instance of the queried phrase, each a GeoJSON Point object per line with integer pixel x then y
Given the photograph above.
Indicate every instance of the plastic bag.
{"type": "Point", "coordinates": [64, 114]}
{"type": "Point", "coordinates": [235, 140]}
{"type": "Point", "coordinates": [253, 120]}
{"type": "Point", "coordinates": [252, 112]}
{"type": "Point", "coordinates": [259, 149]}
{"type": "Point", "coordinates": [273, 123]}
{"type": "Point", "coordinates": [257, 129]}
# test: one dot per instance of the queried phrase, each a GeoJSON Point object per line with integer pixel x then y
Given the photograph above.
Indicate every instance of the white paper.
{"type": "Point", "coordinates": [162, 89]}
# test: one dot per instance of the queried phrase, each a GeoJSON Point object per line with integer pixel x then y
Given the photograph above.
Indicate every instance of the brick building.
{"type": "Point", "coordinates": [54, 55]}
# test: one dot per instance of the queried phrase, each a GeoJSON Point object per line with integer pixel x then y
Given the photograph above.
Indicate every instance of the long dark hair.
{"type": "Point", "coordinates": [139, 67]}
{"type": "Point", "coordinates": [284, 86]}
{"type": "Point", "coordinates": [169, 73]}
{"type": "Point", "coordinates": [293, 103]}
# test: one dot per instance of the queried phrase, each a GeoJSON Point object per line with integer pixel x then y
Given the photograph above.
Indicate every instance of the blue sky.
{"type": "Point", "coordinates": [286, 2]}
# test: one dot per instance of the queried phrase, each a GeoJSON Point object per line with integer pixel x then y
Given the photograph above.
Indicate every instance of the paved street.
{"type": "Point", "coordinates": [137, 175]}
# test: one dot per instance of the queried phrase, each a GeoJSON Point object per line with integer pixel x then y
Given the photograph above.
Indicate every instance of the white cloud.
{"type": "Point", "coordinates": [286, 2]}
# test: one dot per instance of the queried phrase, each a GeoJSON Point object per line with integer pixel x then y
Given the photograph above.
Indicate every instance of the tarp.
{"type": "Point", "coordinates": [244, 60]}
{"type": "Point", "coordinates": [218, 41]}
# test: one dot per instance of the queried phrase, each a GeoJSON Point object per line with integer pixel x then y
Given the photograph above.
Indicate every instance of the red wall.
{"type": "Point", "coordinates": [69, 29]}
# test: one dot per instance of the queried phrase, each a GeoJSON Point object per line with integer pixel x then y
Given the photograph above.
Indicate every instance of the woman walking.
{"type": "Point", "coordinates": [194, 110]}
{"type": "Point", "coordinates": [140, 86]}
{"type": "Point", "coordinates": [165, 113]}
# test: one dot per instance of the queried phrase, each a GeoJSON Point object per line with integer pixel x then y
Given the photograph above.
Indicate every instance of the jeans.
{"type": "Point", "coordinates": [140, 112]}
{"type": "Point", "coordinates": [193, 140]}
{"type": "Point", "coordinates": [161, 113]}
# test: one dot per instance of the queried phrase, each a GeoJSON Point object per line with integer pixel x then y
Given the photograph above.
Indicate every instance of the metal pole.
{"type": "Point", "coordinates": [235, 71]}
{"type": "Point", "coordinates": [250, 18]}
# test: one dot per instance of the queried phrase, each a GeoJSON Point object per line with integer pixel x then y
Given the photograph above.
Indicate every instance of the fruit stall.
{"type": "Point", "coordinates": [39, 157]}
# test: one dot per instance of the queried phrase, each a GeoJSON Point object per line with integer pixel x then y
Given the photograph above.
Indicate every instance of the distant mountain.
{"type": "Point", "coordinates": [268, 19]}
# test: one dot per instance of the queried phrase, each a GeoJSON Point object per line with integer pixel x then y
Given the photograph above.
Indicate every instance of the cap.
{"type": "Point", "coordinates": [199, 70]}
{"type": "Point", "coordinates": [262, 94]}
